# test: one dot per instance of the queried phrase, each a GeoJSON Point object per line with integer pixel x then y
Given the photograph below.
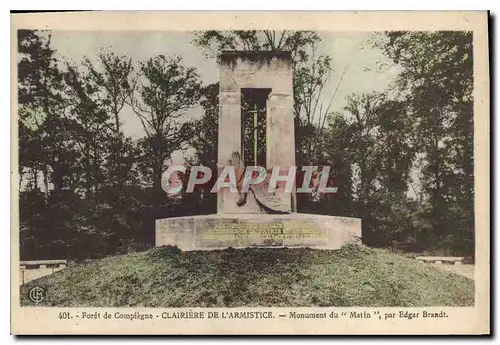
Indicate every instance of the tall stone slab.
{"type": "Point", "coordinates": [256, 70]}
{"type": "Point", "coordinates": [229, 110]}
{"type": "Point", "coordinates": [280, 130]}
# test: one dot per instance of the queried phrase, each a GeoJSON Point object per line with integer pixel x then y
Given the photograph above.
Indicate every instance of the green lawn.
{"type": "Point", "coordinates": [167, 277]}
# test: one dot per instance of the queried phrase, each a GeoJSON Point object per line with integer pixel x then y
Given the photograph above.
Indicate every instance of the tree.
{"type": "Point", "coordinates": [69, 204]}
{"type": "Point", "coordinates": [311, 113]}
{"type": "Point", "coordinates": [89, 130]}
{"type": "Point", "coordinates": [205, 130]}
{"type": "Point", "coordinates": [115, 82]}
{"type": "Point", "coordinates": [204, 140]}
{"type": "Point", "coordinates": [40, 100]}
{"type": "Point", "coordinates": [166, 91]}
{"type": "Point", "coordinates": [46, 151]}
{"type": "Point", "coordinates": [436, 85]}
{"type": "Point", "coordinates": [381, 153]}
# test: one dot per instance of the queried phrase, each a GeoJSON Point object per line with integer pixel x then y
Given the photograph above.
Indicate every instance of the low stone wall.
{"type": "Point", "coordinates": [263, 230]}
{"type": "Point", "coordinates": [31, 270]}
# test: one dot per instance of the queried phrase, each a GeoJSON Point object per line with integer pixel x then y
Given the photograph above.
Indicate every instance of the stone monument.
{"type": "Point", "coordinates": [256, 128]}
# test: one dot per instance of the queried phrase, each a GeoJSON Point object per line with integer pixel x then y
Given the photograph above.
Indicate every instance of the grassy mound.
{"type": "Point", "coordinates": [167, 277]}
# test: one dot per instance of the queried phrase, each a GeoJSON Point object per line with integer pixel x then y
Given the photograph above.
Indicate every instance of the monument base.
{"type": "Point", "coordinates": [219, 231]}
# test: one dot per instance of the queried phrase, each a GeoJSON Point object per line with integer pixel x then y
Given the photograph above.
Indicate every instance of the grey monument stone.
{"type": "Point", "coordinates": [271, 71]}
{"type": "Point", "coordinates": [256, 97]}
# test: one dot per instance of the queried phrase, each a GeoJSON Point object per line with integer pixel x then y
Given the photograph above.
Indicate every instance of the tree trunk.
{"type": "Point", "coordinates": [117, 153]}
{"type": "Point", "coordinates": [46, 183]}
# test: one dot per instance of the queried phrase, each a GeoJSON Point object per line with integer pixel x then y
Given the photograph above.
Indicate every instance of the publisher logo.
{"type": "Point", "coordinates": [37, 294]}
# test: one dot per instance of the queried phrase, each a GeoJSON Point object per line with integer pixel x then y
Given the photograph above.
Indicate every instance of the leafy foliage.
{"type": "Point", "coordinates": [437, 84]}
{"type": "Point", "coordinates": [86, 189]}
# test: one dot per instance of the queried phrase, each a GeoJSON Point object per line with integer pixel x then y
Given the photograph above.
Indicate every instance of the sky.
{"type": "Point", "coordinates": [347, 50]}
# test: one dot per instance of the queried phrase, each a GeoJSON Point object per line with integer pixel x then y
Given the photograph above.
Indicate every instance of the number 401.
{"type": "Point", "coordinates": [64, 315]}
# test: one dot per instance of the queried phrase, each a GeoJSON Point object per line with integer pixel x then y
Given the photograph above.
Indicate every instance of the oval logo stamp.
{"type": "Point", "coordinates": [37, 294]}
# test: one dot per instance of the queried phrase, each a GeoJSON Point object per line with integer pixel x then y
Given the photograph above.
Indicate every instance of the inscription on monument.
{"type": "Point", "coordinates": [248, 233]}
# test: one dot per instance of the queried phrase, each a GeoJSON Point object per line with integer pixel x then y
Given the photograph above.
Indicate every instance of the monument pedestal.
{"type": "Point", "coordinates": [219, 231]}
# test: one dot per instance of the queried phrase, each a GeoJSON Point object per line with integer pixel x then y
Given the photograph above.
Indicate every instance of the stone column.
{"type": "Point", "coordinates": [229, 125]}
{"type": "Point", "coordinates": [229, 137]}
{"type": "Point", "coordinates": [281, 141]}
{"type": "Point", "coordinates": [280, 130]}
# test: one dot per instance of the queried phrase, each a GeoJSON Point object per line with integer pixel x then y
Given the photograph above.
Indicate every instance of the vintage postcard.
{"type": "Point", "coordinates": [250, 173]}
